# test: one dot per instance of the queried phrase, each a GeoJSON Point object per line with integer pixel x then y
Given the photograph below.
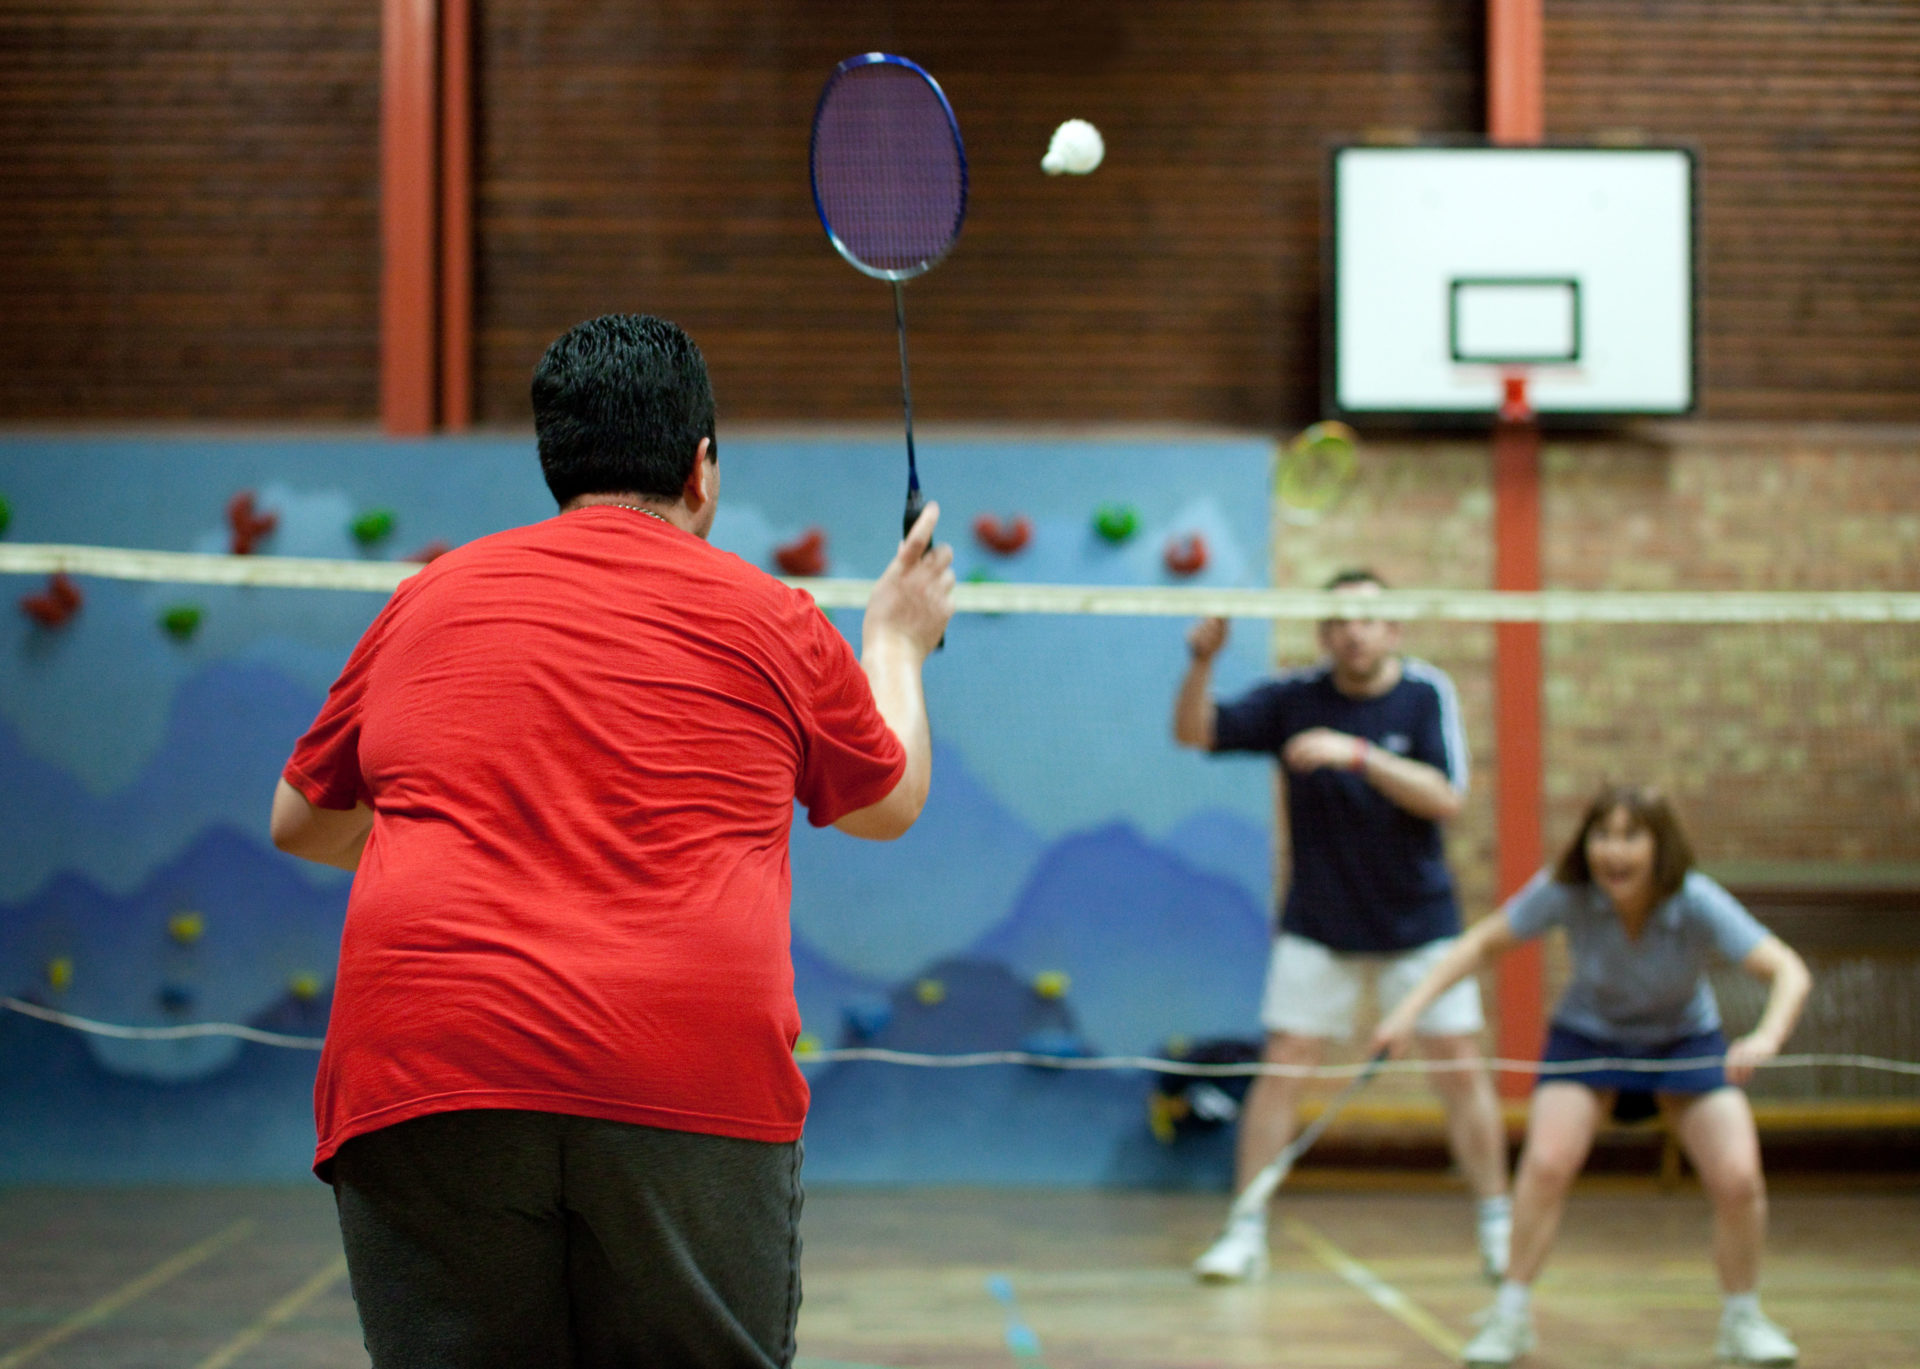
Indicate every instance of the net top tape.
{"type": "Point", "coordinates": [1139, 601]}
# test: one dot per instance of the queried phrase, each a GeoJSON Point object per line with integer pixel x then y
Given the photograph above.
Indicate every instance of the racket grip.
{"type": "Point", "coordinates": [916, 502]}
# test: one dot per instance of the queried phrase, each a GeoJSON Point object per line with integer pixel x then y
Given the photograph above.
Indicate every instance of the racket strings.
{"type": "Point", "coordinates": [887, 170]}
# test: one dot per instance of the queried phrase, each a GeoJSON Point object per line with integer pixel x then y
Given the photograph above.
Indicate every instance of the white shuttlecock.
{"type": "Point", "coordinates": [1075, 150]}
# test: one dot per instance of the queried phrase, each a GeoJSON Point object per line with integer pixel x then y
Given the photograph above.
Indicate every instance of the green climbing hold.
{"type": "Point", "coordinates": [980, 575]}
{"type": "Point", "coordinates": [371, 526]}
{"type": "Point", "coordinates": [181, 621]}
{"type": "Point", "coordinates": [6, 514]}
{"type": "Point", "coordinates": [1116, 522]}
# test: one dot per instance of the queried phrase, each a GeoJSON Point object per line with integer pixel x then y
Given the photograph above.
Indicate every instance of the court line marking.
{"type": "Point", "coordinates": [287, 1307]}
{"type": "Point", "coordinates": [165, 1271]}
{"type": "Point", "coordinates": [1383, 1294]}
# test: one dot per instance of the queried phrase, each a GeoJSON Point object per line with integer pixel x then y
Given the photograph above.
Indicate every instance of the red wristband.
{"type": "Point", "coordinates": [1361, 746]}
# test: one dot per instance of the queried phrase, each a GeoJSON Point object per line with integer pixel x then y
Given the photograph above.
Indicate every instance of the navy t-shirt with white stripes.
{"type": "Point", "coordinates": [1368, 876]}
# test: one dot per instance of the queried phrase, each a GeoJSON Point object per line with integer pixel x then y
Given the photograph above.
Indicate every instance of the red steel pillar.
{"type": "Point", "coordinates": [1516, 115]}
{"type": "Point", "coordinates": [426, 227]}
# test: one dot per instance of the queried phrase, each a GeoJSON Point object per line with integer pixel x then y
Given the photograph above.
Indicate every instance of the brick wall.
{"type": "Point", "coordinates": [1794, 752]}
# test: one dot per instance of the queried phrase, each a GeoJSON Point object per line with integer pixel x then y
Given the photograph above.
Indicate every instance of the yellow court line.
{"type": "Point", "coordinates": [1384, 1295]}
{"type": "Point", "coordinates": [289, 1306]}
{"type": "Point", "coordinates": [161, 1273]}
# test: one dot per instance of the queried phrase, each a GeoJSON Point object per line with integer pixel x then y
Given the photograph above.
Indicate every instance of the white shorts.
{"type": "Point", "coordinates": [1313, 991]}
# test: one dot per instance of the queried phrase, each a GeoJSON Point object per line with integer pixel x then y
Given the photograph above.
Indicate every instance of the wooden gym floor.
{"type": "Point", "coordinates": [1370, 1272]}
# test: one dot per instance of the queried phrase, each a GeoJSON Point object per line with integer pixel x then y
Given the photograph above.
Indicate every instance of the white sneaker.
{"type": "Point", "coordinates": [1239, 1256]}
{"type": "Point", "coordinates": [1749, 1338]}
{"type": "Point", "coordinates": [1496, 1239]}
{"type": "Point", "coordinates": [1501, 1340]}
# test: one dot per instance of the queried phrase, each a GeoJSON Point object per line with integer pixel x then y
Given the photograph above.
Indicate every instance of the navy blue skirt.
{"type": "Point", "coordinates": [1636, 1088]}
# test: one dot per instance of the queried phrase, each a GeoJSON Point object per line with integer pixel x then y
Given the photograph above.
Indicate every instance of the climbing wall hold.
{"type": "Point", "coordinates": [1004, 537]}
{"type": "Point", "coordinates": [805, 555]}
{"type": "Point", "coordinates": [1116, 522]}
{"type": "Point", "coordinates": [1186, 555]}
{"type": "Point", "coordinates": [1052, 983]}
{"type": "Point", "coordinates": [54, 605]}
{"type": "Point", "coordinates": [371, 526]}
{"type": "Point", "coordinates": [181, 621]}
{"type": "Point", "coordinates": [249, 524]}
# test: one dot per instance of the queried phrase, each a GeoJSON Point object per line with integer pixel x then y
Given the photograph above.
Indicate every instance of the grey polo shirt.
{"type": "Point", "coordinates": [1648, 991]}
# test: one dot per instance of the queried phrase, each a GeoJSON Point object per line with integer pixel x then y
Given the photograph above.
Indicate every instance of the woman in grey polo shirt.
{"type": "Point", "coordinates": [1642, 929]}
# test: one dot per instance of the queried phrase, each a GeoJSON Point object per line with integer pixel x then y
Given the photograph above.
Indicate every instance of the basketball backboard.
{"type": "Point", "coordinates": [1450, 268]}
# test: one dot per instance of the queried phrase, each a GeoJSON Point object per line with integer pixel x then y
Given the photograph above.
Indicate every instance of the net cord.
{"type": "Point", "coordinates": [1400, 605]}
{"type": "Point", "coordinates": [978, 1059]}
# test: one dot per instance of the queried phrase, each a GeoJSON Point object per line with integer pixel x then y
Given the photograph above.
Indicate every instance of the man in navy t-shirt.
{"type": "Point", "coordinates": [1374, 760]}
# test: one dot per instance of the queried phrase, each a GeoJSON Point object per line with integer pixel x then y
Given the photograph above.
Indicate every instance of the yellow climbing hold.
{"type": "Point", "coordinates": [304, 985]}
{"type": "Point", "coordinates": [60, 973]}
{"type": "Point", "coordinates": [186, 928]}
{"type": "Point", "coordinates": [807, 1044]}
{"type": "Point", "coordinates": [1052, 983]}
{"type": "Point", "coordinates": [930, 992]}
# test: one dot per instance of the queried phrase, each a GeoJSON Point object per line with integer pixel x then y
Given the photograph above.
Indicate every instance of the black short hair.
{"type": "Point", "coordinates": [1358, 575]}
{"type": "Point", "coordinates": [620, 404]}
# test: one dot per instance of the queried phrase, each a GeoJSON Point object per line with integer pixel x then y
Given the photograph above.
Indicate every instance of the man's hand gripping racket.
{"type": "Point", "coordinates": [913, 598]}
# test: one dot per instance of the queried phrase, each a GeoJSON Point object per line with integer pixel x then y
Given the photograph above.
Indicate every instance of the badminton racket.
{"type": "Point", "coordinates": [1254, 1197]}
{"type": "Point", "coordinates": [890, 184]}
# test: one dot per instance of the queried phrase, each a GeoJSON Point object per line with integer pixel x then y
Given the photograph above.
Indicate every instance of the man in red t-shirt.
{"type": "Point", "coordinates": [558, 1103]}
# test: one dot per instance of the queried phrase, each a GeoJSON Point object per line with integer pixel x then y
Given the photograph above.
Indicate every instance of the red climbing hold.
{"type": "Point", "coordinates": [431, 552]}
{"type": "Point", "coordinates": [249, 524]}
{"type": "Point", "coordinates": [805, 555]}
{"type": "Point", "coordinates": [1186, 555]}
{"type": "Point", "coordinates": [58, 602]}
{"type": "Point", "coordinates": [1003, 537]}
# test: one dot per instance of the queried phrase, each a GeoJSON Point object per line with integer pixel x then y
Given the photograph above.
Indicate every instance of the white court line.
{"type": "Point", "coordinates": [161, 1273]}
{"type": "Point", "coordinates": [287, 1307]}
{"type": "Point", "coordinates": [1383, 1294]}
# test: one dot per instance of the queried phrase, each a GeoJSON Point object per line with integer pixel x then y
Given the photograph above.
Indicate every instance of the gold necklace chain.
{"type": "Point", "coordinates": [637, 508]}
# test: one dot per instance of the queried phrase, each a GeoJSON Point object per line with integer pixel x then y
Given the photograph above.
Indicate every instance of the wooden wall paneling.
{"type": "Point", "coordinates": [189, 225]}
{"type": "Point", "coordinates": [1807, 115]}
{"type": "Point", "coordinates": [654, 157]}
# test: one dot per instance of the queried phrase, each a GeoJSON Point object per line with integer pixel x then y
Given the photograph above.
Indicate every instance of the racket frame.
{"type": "Point", "coordinates": [1253, 1199]}
{"type": "Point", "coordinates": [847, 254]}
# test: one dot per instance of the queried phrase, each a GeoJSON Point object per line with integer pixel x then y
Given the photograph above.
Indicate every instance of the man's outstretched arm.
{"type": "Point", "coordinates": [906, 618]}
{"type": "Point", "coordinates": [1193, 709]}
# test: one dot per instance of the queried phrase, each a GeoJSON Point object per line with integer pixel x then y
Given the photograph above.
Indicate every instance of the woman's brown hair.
{"type": "Point", "coordinates": [1646, 807]}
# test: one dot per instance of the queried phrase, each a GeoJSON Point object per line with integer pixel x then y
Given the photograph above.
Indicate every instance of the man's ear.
{"type": "Point", "coordinates": [698, 492]}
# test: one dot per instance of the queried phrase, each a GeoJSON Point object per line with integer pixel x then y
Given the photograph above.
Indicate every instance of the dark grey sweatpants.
{"type": "Point", "coordinates": [533, 1240]}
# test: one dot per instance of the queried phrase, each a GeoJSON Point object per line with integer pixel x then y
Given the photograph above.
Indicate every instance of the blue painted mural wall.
{"type": "Point", "coordinates": [1065, 833]}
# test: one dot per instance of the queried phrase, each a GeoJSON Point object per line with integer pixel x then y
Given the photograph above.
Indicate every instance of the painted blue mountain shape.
{"type": "Point", "coordinates": [264, 925]}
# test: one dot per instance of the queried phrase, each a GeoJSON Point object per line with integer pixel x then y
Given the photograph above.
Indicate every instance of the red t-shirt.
{"type": "Point", "coordinates": [582, 741]}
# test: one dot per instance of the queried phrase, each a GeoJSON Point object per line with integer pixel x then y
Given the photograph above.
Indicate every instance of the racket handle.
{"type": "Point", "coordinates": [916, 502]}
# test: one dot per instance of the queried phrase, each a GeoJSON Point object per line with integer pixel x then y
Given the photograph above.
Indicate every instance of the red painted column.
{"type": "Point", "coordinates": [1516, 115]}
{"type": "Point", "coordinates": [456, 215]}
{"type": "Point", "coordinates": [408, 189]}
